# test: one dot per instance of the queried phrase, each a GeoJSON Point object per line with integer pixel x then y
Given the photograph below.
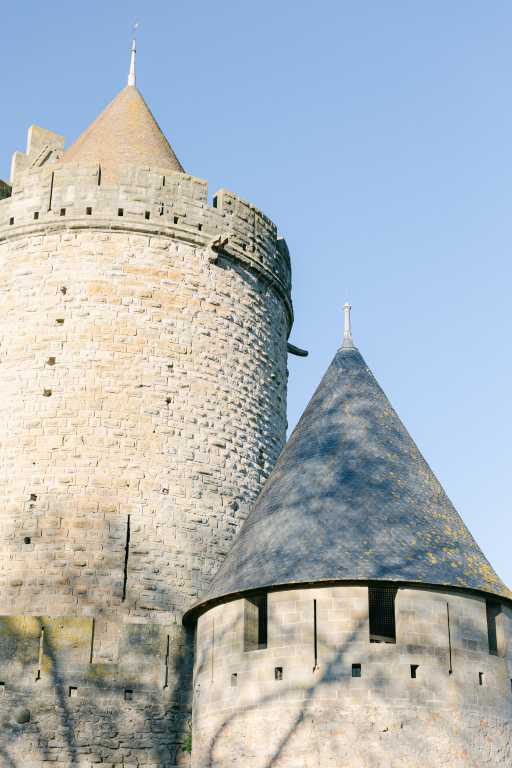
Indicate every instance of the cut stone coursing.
{"type": "Point", "coordinates": [122, 491]}
{"type": "Point", "coordinates": [322, 716]}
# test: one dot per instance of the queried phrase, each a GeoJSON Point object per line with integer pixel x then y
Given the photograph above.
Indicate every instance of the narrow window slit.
{"type": "Point", "coordinates": [126, 555]}
{"type": "Point", "coordinates": [480, 678]}
{"type": "Point", "coordinates": [40, 657]}
{"type": "Point", "coordinates": [120, 211]}
{"type": "Point", "coordinates": [414, 671]}
{"type": "Point", "coordinates": [166, 667]}
{"type": "Point", "coordinates": [315, 636]}
{"type": "Point", "coordinates": [278, 673]}
{"type": "Point", "coordinates": [11, 221]}
{"type": "Point", "coordinates": [356, 670]}
{"type": "Point", "coordinates": [147, 215]}
{"type": "Point", "coordinates": [51, 191]}
{"type": "Point", "coordinates": [2, 689]}
{"type": "Point", "coordinates": [234, 680]}
{"type": "Point", "coordinates": [93, 630]}
{"type": "Point", "coordinates": [176, 219]}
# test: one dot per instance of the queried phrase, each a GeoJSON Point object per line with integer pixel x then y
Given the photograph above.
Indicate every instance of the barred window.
{"type": "Point", "coordinates": [381, 604]}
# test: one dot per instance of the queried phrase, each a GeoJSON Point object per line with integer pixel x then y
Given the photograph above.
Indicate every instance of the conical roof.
{"type": "Point", "coordinates": [125, 132]}
{"type": "Point", "coordinates": [351, 498]}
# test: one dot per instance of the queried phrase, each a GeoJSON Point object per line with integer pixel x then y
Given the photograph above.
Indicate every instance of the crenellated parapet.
{"type": "Point", "coordinates": [151, 201]}
{"type": "Point", "coordinates": [318, 682]}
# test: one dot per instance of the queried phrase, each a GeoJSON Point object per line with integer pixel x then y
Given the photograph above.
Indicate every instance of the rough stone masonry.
{"type": "Point", "coordinates": [143, 350]}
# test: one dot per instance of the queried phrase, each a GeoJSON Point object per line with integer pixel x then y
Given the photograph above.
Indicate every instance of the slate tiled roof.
{"type": "Point", "coordinates": [125, 132]}
{"type": "Point", "coordinates": [352, 498]}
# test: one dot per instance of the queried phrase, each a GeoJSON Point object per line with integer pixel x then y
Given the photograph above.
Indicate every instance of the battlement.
{"type": "Point", "coordinates": [318, 667]}
{"type": "Point", "coordinates": [147, 200]}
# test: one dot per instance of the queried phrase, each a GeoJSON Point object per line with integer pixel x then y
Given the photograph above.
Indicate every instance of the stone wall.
{"type": "Point", "coordinates": [144, 392]}
{"type": "Point", "coordinates": [315, 713]}
{"type": "Point", "coordinates": [143, 351]}
{"type": "Point", "coordinates": [61, 707]}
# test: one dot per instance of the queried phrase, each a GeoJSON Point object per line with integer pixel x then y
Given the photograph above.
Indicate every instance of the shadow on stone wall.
{"type": "Point", "coordinates": [61, 709]}
{"type": "Point", "coordinates": [323, 724]}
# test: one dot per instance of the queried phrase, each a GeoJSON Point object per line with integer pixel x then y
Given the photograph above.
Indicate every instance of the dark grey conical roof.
{"type": "Point", "coordinates": [352, 498]}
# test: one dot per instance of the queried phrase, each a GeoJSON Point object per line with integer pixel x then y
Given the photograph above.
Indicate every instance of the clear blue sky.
{"type": "Point", "coordinates": [377, 135]}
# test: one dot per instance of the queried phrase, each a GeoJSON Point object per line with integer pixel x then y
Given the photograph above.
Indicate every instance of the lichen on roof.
{"type": "Point", "coordinates": [351, 498]}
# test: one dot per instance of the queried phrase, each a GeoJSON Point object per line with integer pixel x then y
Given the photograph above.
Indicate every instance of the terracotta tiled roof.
{"type": "Point", "coordinates": [351, 498]}
{"type": "Point", "coordinates": [125, 132]}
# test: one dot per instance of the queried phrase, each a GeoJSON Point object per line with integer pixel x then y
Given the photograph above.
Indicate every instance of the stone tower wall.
{"type": "Point", "coordinates": [144, 387]}
{"type": "Point", "coordinates": [143, 346]}
{"type": "Point", "coordinates": [319, 715]}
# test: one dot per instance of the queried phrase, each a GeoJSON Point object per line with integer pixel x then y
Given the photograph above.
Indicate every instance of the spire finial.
{"type": "Point", "coordinates": [131, 74]}
{"type": "Point", "coordinates": [348, 342]}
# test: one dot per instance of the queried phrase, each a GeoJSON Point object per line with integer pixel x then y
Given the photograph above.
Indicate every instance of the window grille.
{"type": "Point", "coordinates": [493, 611]}
{"type": "Point", "coordinates": [381, 602]}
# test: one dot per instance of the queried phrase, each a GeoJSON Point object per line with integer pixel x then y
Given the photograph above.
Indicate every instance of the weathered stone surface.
{"type": "Point", "coordinates": [318, 714]}
{"type": "Point", "coordinates": [143, 406]}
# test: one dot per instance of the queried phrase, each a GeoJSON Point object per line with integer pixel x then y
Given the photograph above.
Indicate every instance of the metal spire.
{"type": "Point", "coordinates": [131, 74]}
{"type": "Point", "coordinates": [348, 342]}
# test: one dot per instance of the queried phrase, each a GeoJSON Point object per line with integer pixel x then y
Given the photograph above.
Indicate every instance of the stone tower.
{"type": "Point", "coordinates": [143, 346]}
{"type": "Point", "coordinates": [355, 622]}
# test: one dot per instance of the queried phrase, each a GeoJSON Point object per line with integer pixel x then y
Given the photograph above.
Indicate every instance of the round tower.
{"type": "Point", "coordinates": [355, 622]}
{"type": "Point", "coordinates": [143, 370]}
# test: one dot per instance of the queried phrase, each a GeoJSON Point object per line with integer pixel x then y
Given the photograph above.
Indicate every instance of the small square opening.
{"type": "Point", "coordinates": [414, 671]}
{"type": "Point", "coordinates": [88, 211]}
{"type": "Point", "coordinates": [278, 673]}
{"type": "Point", "coordinates": [62, 211]}
{"type": "Point", "coordinates": [120, 211]}
{"type": "Point", "coordinates": [147, 215]}
{"type": "Point", "coordinates": [50, 361]}
{"type": "Point", "coordinates": [356, 670]}
{"type": "Point", "coordinates": [11, 220]}
{"type": "Point", "coordinates": [128, 694]}
{"type": "Point", "coordinates": [72, 691]}
{"type": "Point", "coordinates": [27, 540]}
{"type": "Point", "coordinates": [36, 215]}
{"type": "Point", "coordinates": [176, 219]}
{"type": "Point", "coordinates": [60, 321]}
{"type": "Point", "coordinates": [47, 393]}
